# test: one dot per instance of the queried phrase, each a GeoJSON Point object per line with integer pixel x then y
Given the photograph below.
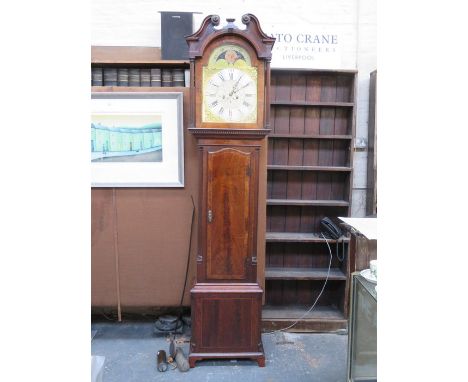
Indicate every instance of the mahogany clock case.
{"type": "Point", "coordinates": [227, 299]}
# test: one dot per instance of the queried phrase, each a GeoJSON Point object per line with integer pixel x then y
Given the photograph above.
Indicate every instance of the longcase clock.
{"type": "Point", "coordinates": [229, 117]}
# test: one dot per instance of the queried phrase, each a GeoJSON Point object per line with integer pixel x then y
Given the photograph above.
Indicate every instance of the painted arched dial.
{"type": "Point", "coordinates": [229, 86]}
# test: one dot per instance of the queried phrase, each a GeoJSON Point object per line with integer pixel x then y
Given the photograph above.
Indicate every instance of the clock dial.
{"type": "Point", "coordinates": [229, 87]}
{"type": "Point", "coordinates": [231, 95]}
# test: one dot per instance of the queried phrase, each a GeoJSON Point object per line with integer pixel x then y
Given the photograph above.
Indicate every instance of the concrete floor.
{"type": "Point", "coordinates": [130, 356]}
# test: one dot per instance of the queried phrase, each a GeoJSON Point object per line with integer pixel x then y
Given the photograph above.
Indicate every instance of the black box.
{"type": "Point", "coordinates": [174, 27]}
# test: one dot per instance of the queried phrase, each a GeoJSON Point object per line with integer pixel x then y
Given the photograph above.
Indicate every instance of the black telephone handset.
{"type": "Point", "coordinates": [330, 229]}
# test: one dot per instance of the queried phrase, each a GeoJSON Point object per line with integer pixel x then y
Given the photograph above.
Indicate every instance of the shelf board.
{"type": "Point", "coordinates": [137, 88]}
{"type": "Point", "coordinates": [285, 312]}
{"type": "Point", "coordinates": [301, 202]}
{"type": "Point", "coordinates": [311, 103]}
{"type": "Point", "coordinates": [130, 55]}
{"type": "Point", "coordinates": [311, 136]}
{"type": "Point", "coordinates": [308, 168]}
{"type": "Point", "coordinates": [323, 318]}
{"type": "Point", "coordinates": [297, 237]}
{"type": "Point", "coordinates": [277, 273]}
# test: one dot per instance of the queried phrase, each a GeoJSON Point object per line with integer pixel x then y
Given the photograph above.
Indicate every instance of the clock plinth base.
{"type": "Point", "coordinates": [259, 356]}
{"type": "Point", "coordinates": [226, 322]}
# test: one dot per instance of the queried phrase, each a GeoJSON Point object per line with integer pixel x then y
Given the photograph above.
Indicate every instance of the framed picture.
{"type": "Point", "coordinates": [137, 139]}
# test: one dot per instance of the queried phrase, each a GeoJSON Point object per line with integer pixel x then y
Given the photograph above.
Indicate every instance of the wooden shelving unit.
{"type": "Point", "coordinates": [126, 57]}
{"type": "Point", "coordinates": [310, 165]}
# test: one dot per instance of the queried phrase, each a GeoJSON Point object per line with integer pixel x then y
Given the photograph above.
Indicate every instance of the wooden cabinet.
{"type": "Point", "coordinates": [310, 159]}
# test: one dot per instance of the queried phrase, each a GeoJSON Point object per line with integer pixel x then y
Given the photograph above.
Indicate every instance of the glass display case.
{"type": "Point", "coordinates": [362, 339]}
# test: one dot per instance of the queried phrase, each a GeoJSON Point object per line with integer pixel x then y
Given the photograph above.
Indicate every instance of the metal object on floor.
{"type": "Point", "coordinates": [162, 361]}
{"type": "Point", "coordinates": [181, 360]}
{"type": "Point", "coordinates": [168, 324]}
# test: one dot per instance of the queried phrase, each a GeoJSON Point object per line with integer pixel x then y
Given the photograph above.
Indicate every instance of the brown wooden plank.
{"type": "Point", "coordinates": [312, 121]}
{"type": "Point", "coordinates": [309, 168]}
{"type": "Point", "coordinates": [341, 123]}
{"type": "Point", "coordinates": [309, 185]}
{"type": "Point", "coordinates": [309, 103]}
{"type": "Point", "coordinates": [271, 149]}
{"type": "Point", "coordinates": [280, 152]}
{"type": "Point", "coordinates": [324, 186]}
{"type": "Point", "coordinates": [130, 55]}
{"type": "Point", "coordinates": [279, 187]}
{"type": "Point", "coordinates": [275, 254]}
{"type": "Point", "coordinates": [343, 88]}
{"type": "Point", "coordinates": [296, 120]}
{"type": "Point", "coordinates": [298, 87]}
{"type": "Point", "coordinates": [272, 119]}
{"type": "Point", "coordinates": [303, 136]}
{"type": "Point", "coordinates": [298, 237]}
{"type": "Point", "coordinates": [288, 273]}
{"type": "Point", "coordinates": [277, 218]}
{"type": "Point", "coordinates": [292, 254]}
{"type": "Point", "coordinates": [293, 221]}
{"type": "Point", "coordinates": [311, 153]}
{"type": "Point", "coordinates": [304, 202]}
{"type": "Point", "coordinates": [273, 292]}
{"type": "Point", "coordinates": [281, 124]}
{"type": "Point", "coordinates": [294, 190]}
{"type": "Point", "coordinates": [296, 311]}
{"type": "Point", "coordinates": [325, 153]}
{"type": "Point", "coordinates": [272, 88]}
{"type": "Point", "coordinates": [338, 182]}
{"type": "Point", "coordinates": [295, 152]}
{"type": "Point", "coordinates": [289, 291]}
{"type": "Point", "coordinates": [324, 325]}
{"type": "Point", "coordinates": [340, 153]}
{"type": "Point", "coordinates": [269, 184]}
{"type": "Point", "coordinates": [328, 91]}
{"type": "Point", "coordinates": [327, 121]}
{"type": "Point", "coordinates": [283, 87]}
{"type": "Point", "coordinates": [313, 89]}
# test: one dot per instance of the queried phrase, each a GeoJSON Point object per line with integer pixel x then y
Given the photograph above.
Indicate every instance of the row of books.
{"type": "Point", "coordinates": [139, 76]}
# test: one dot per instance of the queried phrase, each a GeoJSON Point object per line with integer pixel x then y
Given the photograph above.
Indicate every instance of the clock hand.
{"type": "Point", "coordinates": [235, 86]}
{"type": "Point", "coordinates": [241, 88]}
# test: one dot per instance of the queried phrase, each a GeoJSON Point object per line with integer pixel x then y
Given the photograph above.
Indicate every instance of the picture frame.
{"type": "Point", "coordinates": [137, 139]}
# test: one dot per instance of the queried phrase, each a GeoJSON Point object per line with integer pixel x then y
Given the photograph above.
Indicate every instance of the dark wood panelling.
{"type": "Point", "coordinates": [307, 185]}
{"type": "Point", "coordinates": [277, 214]}
{"type": "Point", "coordinates": [290, 292]}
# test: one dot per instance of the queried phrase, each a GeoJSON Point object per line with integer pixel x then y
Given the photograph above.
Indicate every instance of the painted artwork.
{"type": "Point", "coordinates": [117, 137]}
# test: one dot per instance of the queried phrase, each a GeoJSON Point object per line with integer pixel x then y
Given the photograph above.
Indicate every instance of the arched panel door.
{"type": "Point", "coordinates": [231, 212]}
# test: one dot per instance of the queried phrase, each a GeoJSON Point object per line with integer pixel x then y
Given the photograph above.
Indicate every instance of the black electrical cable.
{"type": "Point", "coordinates": [188, 256]}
